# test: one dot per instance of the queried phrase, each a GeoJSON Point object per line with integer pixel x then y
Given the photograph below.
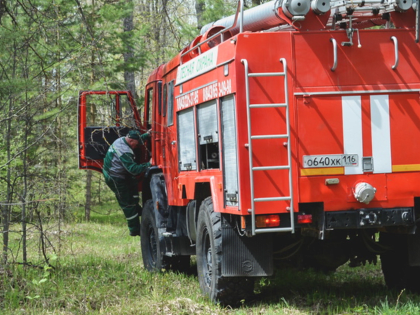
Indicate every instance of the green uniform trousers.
{"type": "Point", "coordinates": [128, 199]}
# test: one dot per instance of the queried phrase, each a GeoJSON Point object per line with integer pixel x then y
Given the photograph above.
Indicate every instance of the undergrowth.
{"type": "Point", "coordinates": [99, 270]}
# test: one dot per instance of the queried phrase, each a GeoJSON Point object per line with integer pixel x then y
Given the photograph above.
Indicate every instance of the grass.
{"type": "Point", "coordinates": [99, 270]}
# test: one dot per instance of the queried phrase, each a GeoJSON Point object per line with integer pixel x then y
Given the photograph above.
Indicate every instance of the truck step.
{"type": "Point", "coordinates": [169, 234]}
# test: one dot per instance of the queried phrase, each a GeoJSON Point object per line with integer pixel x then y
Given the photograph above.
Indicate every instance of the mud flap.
{"type": "Point", "coordinates": [177, 245]}
{"type": "Point", "coordinates": [160, 202]}
{"type": "Point", "coordinates": [414, 249]}
{"type": "Point", "coordinates": [246, 256]}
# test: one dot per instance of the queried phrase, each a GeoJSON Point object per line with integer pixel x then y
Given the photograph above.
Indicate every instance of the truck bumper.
{"type": "Point", "coordinates": [369, 218]}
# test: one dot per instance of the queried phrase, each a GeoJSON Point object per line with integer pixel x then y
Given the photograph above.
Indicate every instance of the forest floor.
{"type": "Point", "coordinates": [98, 269]}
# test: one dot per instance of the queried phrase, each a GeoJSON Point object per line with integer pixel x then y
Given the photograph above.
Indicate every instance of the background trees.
{"type": "Point", "coordinates": [49, 50]}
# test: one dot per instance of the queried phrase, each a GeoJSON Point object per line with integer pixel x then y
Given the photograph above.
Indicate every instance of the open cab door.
{"type": "Point", "coordinates": [103, 117]}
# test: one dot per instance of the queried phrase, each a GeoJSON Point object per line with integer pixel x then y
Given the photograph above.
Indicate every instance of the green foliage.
{"type": "Point", "coordinates": [217, 9]}
{"type": "Point", "coordinates": [51, 49]}
{"type": "Point", "coordinates": [44, 278]}
{"type": "Point", "coordinates": [47, 115]}
{"type": "Point", "coordinates": [100, 271]}
{"type": "Point", "coordinates": [187, 30]}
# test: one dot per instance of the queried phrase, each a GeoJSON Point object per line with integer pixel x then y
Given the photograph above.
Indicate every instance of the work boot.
{"type": "Point", "coordinates": [135, 233]}
{"type": "Point", "coordinates": [139, 209]}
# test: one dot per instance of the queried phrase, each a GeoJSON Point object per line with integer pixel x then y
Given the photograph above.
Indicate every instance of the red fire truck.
{"type": "Point", "coordinates": [287, 132]}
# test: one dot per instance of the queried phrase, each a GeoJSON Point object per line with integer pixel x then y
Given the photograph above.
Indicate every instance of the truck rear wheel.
{"type": "Point", "coordinates": [397, 272]}
{"type": "Point", "coordinates": [153, 258]}
{"type": "Point", "coordinates": [226, 290]}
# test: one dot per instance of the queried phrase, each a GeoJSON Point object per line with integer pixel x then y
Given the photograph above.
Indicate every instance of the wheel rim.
{"type": "Point", "coordinates": [152, 246]}
{"type": "Point", "coordinates": [207, 259]}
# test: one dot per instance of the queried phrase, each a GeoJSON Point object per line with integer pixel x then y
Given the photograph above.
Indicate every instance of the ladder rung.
{"type": "Point", "coordinates": [286, 136]}
{"type": "Point", "coordinates": [266, 74]}
{"type": "Point", "coordinates": [271, 168]}
{"type": "Point", "coordinates": [267, 105]}
{"type": "Point", "coordinates": [270, 137]}
{"type": "Point", "coordinates": [272, 199]}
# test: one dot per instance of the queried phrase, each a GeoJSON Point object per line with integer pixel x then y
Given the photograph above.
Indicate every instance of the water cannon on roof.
{"type": "Point", "coordinates": [287, 13]}
{"type": "Point", "coordinates": [303, 15]}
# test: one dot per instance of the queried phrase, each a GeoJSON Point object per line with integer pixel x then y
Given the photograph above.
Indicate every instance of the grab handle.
{"type": "Point", "coordinates": [334, 42]}
{"type": "Point", "coordinates": [395, 40]}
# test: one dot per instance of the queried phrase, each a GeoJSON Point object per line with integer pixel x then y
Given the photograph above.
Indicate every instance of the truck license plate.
{"type": "Point", "coordinates": [332, 160]}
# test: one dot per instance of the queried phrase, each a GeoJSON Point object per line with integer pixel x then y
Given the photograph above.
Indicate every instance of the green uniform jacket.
{"type": "Point", "coordinates": [119, 160]}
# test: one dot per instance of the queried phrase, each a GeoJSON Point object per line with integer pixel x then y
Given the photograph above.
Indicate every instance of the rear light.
{"type": "Point", "coordinates": [271, 220]}
{"type": "Point", "coordinates": [304, 218]}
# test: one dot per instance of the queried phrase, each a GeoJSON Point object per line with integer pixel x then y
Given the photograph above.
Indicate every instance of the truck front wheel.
{"type": "Point", "coordinates": [226, 290]}
{"type": "Point", "coordinates": [153, 258]}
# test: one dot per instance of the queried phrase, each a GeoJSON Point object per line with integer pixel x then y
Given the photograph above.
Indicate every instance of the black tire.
{"type": "Point", "coordinates": [153, 258]}
{"type": "Point", "coordinates": [398, 274]}
{"type": "Point", "coordinates": [180, 264]}
{"type": "Point", "coordinates": [224, 290]}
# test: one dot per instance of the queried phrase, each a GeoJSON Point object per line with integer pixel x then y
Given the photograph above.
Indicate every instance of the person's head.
{"type": "Point", "coordinates": [133, 138]}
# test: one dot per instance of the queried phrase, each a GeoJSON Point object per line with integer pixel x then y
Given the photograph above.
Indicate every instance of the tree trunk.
{"type": "Point", "coordinates": [129, 78]}
{"type": "Point", "coordinates": [99, 190]}
{"type": "Point", "coordinates": [164, 27]}
{"type": "Point", "coordinates": [199, 10]}
{"type": "Point", "coordinates": [88, 199]}
{"type": "Point", "coordinates": [24, 193]}
{"type": "Point", "coordinates": [7, 207]}
{"type": "Point", "coordinates": [2, 8]}
{"type": "Point", "coordinates": [61, 165]}
{"type": "Point", "coordinates": [88, 203]}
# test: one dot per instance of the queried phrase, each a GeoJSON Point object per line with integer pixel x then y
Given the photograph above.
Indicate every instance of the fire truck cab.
{"type": "Point", "coordinates": [289, 132]}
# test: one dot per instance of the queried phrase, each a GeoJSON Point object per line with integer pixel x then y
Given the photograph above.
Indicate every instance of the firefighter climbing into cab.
{"type": "Point", "coordinates": [120, 171]}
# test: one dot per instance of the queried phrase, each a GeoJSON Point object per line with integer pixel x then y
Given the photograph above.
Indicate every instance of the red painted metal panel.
{"type": "Point", "coordinates": [316, 119]}
{"type": "Point", "coordinates": [357, 68]}
{"type": "Point", "coordinates": [320, 131]}
{"type": "Point", "coordinates": [405, 128]}
{"type": "Point", "coordinates": [320, 126]}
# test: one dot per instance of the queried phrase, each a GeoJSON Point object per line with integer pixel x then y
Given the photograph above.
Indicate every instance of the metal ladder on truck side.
{"type": "Point", "coordinates": [286, 136]}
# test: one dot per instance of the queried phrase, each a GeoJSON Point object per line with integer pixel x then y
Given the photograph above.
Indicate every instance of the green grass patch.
{"type": "Point", "coordinates": [107, 213]}
{"type": "Point", "coordinates": [99, 270]}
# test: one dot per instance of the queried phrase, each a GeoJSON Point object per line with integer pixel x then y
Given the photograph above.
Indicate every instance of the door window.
{"type": "Point", "coordinates": [126, 113]}
{"type": "Point", "coordinates": [100, 110]}
{"type": "Point", "coordinates": [149, 108]}
{"type": "Point", "coordinates": [103, 117]}
{"type": "Point", "coordinates": [170, 101]}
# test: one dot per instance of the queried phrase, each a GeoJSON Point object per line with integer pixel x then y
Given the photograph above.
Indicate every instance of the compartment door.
{"type": "Point", "coordinates": [103, 116]}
